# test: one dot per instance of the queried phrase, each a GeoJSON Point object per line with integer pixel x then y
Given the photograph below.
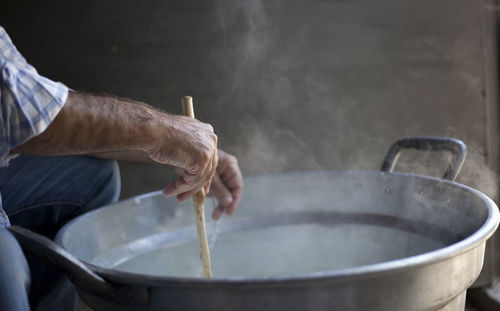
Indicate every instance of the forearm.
{"type": "Point", "coordinates": [95, 123]}
{"type": "Point", "coordinates": [110, 127]}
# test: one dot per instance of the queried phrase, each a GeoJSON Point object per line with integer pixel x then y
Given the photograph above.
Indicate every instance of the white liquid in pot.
{"type": "Point", "coordinates": [285, 250]}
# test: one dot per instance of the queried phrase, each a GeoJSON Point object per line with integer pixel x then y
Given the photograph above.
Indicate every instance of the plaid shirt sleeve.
{"type": "Point", "coordinates": [28, 101]}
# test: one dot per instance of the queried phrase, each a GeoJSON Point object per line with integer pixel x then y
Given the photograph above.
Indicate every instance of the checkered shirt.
{"type": "Point", "coordinates": [28, 102]}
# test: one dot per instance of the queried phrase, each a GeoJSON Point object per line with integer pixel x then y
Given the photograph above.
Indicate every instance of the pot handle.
{"type": "Point", "coordinates": [79, 274]}
{"type": "Point", "coordinates": [428, 143]}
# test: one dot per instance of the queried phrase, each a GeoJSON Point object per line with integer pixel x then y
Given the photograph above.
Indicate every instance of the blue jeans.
{"type": "Point", "coordinates": [42, 194]}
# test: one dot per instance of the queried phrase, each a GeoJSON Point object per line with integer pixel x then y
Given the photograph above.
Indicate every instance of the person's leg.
{"type": "Point", "coordinates": [43, 193]}
{"type": "Point", "coordinates": [14, 274]}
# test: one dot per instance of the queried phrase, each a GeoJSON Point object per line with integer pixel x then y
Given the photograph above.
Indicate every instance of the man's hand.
{"type": "Point", "coordinates": [191, 147]}
{"type": "Point", "coordinates": [227, 185]}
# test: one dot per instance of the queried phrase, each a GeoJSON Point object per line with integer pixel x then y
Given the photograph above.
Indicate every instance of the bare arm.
{"type": "Point", "coordinates": [90, 124]}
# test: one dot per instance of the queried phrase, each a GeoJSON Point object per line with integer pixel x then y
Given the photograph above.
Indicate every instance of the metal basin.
{"type": "Point", "coordinates": [304, 241]}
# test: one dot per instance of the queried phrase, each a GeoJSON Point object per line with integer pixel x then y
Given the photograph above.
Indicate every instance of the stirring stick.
{"type": "Point", "coordinates": [199, 201]}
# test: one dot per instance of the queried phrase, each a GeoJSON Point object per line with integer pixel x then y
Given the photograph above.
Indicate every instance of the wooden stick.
{"type": "Point", "coordinates": [199, 201]}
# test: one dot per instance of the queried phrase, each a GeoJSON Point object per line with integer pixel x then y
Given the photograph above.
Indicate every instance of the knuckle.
{"type": "Point", "coordinates": [194, 167]}
{"type": "Point", "coordinates": [215, 138]}
{"type": "Point", "coordinates": [207, 128]}
{"type": "Point", "coordinates": [207, 155]}
{"type": "Point", "coordinates": [210, 128]}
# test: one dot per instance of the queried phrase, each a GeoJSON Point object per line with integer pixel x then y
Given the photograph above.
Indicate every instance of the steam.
{"type": "Point", "coordinates": [286, 88]}
{"type": "Point", "coordinates": [305, 109]}
{"type": "Point", "coordinates": [295, 119]}
{"type": "Point", "coordinates": [476, 172]}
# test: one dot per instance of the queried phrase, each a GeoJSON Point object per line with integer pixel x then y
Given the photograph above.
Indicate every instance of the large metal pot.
{"type": "Point", "coordinates": [353, 240]}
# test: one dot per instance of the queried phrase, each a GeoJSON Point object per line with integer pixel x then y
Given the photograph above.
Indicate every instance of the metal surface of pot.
{"type": "Point", "coordinates": [353, 240]}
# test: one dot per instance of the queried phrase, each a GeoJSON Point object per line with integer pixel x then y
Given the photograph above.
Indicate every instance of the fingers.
{"type": "Point", "coordinates": [174, 187]}
{"type": "Point", "coordinates": [237, 192]}
{"type": "Point", "coordinates": [231, 176]}
{"type": "Point", "coordinates": [177, 187]}
{"type": "Point", "coordinates": [184, 187]}
{"type": "Point", "coordinates": [222, 195]}
{"type": "Point", "coordinates": [217, 213]}
{"type": "Point", "coordinates": [209, 173]}
{"type": "Point", "coordinates": [188, 183]}
{"type": "Point", "coordinates": [227, 185]}
{"type": "Point", "coordinates": [183, 197]}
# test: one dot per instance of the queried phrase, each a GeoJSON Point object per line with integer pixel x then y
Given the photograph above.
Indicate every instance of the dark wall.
{"type": "Point", "coordinates": [288, 85]}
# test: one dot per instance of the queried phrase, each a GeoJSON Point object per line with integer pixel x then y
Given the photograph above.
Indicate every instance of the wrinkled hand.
{"type": "Point", "coordinates": [191, 147]}
{"type": "Point", "coordinates": [227, 185]}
